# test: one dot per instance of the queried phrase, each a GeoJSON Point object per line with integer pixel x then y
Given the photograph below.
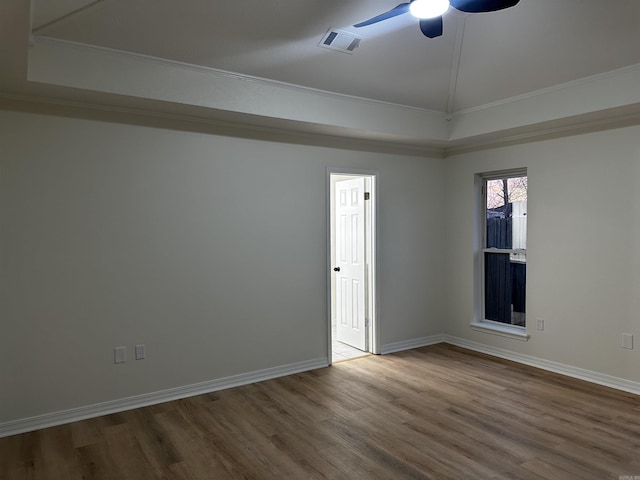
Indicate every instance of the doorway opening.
{"type": "Point", "coordinates": [352, 213]}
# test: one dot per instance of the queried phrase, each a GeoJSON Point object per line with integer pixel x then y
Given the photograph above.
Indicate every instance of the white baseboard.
{"type": "Point", "coordinates": [413, 343]}
{"type": "Point", "coordinates": [568, 370]}
{"type": "Point", "coordinates": [58, 418]}
{"type": "Point", "coordinates": [81, 413]}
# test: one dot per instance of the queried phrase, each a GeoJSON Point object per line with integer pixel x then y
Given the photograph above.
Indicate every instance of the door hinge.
{"type": "Point", "coordinates": [367, 195]}
{"type": "Point", "coordinates": [366, 322]}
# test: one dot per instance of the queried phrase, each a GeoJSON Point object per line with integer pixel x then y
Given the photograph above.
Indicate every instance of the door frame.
{"type": "Point", "coordinates": [371, 213]}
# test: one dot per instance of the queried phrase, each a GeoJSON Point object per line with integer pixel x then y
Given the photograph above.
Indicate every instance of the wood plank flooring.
{"type": "Point", "coordinates": [437, 412]}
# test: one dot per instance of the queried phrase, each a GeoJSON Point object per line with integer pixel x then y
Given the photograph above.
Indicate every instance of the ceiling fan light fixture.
{"type": "Point", "coordinates": [428, 8]}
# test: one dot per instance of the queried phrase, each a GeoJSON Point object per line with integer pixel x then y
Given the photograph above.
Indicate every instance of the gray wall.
{"type": "Point", "coordinates": [211, 250]}
{"type": "Point", "coordinates": [583, 257]}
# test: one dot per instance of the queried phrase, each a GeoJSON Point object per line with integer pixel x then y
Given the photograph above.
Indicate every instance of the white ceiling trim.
{"type": "Point", "coordinates": [98, 69]}
{"type": "Point", "coordinates": [85, 67]}
{"type": "Point", "coordinates": [597, 93]}
{"type": "Point", "coordinates": [617, 118]}
{"type": "Point", "coordinates": [51, 41]}
{"type": "Point", "coordinates": [199, 122]}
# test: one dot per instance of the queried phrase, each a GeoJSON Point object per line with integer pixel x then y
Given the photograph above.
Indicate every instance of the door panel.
{"type": "Point", "coordinates": [350, 259]}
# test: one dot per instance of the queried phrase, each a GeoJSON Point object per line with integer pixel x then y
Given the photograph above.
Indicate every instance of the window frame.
{"type": "Point", "coordinates": [480, 323]}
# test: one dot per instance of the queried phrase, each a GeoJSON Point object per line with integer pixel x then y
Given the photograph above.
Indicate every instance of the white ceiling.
{"type": "Point", "coordinates": [481, 59]}
{"type": "Point", "coordinates": [536, 44]}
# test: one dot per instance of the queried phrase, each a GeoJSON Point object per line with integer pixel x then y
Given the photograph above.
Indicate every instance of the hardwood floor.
{"type": "Point", "coordinates": [437, 412]}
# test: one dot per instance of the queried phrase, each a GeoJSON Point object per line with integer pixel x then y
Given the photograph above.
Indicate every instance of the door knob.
{"type": "Point", "coordinates": [336, 269]}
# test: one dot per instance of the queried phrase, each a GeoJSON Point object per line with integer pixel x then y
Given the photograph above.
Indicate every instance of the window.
{"type": "Point", "coordinates": [503, 262]}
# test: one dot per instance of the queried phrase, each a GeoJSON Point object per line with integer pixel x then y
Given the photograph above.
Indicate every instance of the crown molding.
{"type": "Point", "coordinates": [293, 132]}
{"type": "Point", "coordinates": [296, 134]}
{"type": "Point", "coordinates": [537, 133]}
{"type": "Point", "coordinates": [55, 63]}
{"type": "Point", "coordinates": [565, 108]}
{"type": "Point", "coordinates": [241, 105]}
{"type": "Point", "coordinates": [45, 40]}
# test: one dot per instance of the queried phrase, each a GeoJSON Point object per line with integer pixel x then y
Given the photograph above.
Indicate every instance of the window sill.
{"type": "Point", "coordinates": [508, 331]}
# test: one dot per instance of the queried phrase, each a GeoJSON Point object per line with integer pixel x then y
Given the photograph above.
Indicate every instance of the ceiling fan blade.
{"type": "Point", "coordinates": [394, 12]}
{"type": "Point", "coordinates": [431, 27]}
{"type": "Point", "coordinates": [479, 6]}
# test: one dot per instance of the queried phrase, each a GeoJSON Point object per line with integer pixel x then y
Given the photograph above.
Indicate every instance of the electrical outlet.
{"type": "Point", "coordinates": [140, 353]}
{"type": "Point", "coordinates": [540, 324]}
{"type": "Point", "coordinates": [627, 340]}
{"type": "Point", "coordinates": [119, 354]}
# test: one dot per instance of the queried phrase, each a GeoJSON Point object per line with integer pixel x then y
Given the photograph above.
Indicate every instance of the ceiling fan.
{"type": "Point", "coordinates": [430, 12]}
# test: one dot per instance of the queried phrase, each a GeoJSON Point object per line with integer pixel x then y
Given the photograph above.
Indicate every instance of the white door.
{"type": "Point", "coordinates": [350, 263]}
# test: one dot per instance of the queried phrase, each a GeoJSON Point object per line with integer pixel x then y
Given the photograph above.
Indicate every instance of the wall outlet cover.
{"type": "Point", "coordinates": [140, 352]}
{"type": "Point", "coordinates": [119, 354]}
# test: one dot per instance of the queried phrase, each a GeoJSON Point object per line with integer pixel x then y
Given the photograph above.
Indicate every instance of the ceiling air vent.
{"type": "Point", "coordinates": [339, 40]}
